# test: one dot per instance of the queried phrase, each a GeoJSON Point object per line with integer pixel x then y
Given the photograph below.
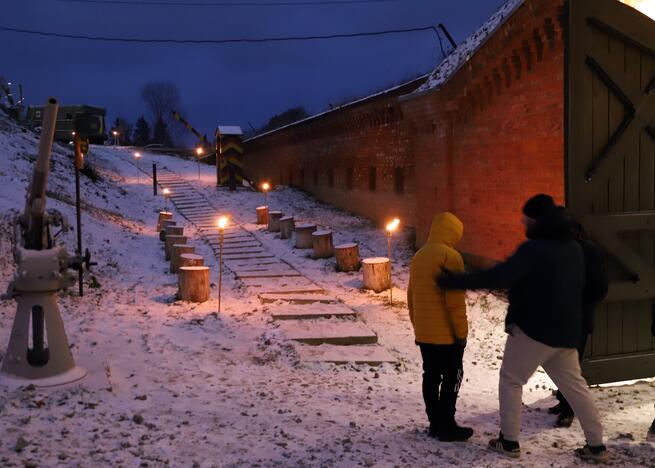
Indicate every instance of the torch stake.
{"type": "Point", "coordinates": [220, 270]}
{"type": "Point", "coordinates": [154, 178]}
{"type": "Point", "coordinates": [78, 208]}
{"type": "Point", "coordinates": [390, 275]}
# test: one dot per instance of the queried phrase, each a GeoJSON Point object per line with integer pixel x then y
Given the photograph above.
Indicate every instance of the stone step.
{"type": "Point", "coordinates": [330, 331]}
{"type": "Point", "coordinates": [276, 273]}
{"type": "Point", "coordinates": [233, 256]}
{"type": "Point", "coordinates": [253, 262]}
{"type": "Point", "coordinates": [373, 355]}
{"type": "Point", "coordinates": [271, 283]}
{"type": "Point", "coordinates": [231, 244]}
{"type": "Point", "coordinates": [288, 289]}
{"type": "Point", "coordinates": [297, 298]}
{"type": "Point", "coordinates": [300, 312]}
{"type": "Point", "coordinates": [267, 267]}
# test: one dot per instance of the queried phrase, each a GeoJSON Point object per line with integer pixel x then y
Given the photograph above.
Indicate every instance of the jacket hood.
{"type": "Point", "coordinates": [556, 224]}
{"type": "Point", "coordinates": [447, 229]}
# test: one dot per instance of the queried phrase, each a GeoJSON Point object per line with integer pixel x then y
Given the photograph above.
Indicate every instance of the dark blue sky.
{"type": "Point", "coordinates": [225, 84]}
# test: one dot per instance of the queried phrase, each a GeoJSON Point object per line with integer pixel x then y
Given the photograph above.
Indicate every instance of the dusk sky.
{"type": "Point", "coordinates": [225, 84]}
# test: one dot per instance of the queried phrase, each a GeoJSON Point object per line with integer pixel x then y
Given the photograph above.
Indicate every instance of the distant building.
{"type": "Point", "coordinates": [90, 121]}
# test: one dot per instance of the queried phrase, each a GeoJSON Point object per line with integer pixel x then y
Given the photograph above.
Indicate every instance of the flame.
{"type": "Point", "coordinates": [166, 191]}
{"type": "Point", "coordinates": [137, 155]}
{"type": "Point", "coordinates": [222, 222]}
{"type": "Point", "coordinates": [198, 151]}
{"type": "Point", "coordinates": [393, 225]}
{"type": "Point", "coordinates": [647, 7]}
{"type": "Point", "coordinates": [266, 186]}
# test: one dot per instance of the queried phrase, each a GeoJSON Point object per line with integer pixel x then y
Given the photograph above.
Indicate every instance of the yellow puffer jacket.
{"type": "Point", "coordinates": [438, 316]}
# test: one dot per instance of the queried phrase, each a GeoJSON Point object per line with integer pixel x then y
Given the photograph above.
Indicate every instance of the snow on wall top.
{"type": "Point", "coordinates": [230, 130]}
{"type": "Point", "coordinates": [464, 51]}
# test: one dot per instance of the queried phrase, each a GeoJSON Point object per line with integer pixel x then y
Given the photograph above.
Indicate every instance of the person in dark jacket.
{"type": "Point", "coordinates": [595, 290]}
{"type": "Point", "coordinates": [545, 279]}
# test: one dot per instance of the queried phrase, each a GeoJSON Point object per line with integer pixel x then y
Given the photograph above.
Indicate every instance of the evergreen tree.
{"type": "Point", "coordinates": [124, 129]}
{"type": "Point", "coordinates": [141, 132]}
{"type": "Point", "coordinates": [160, 133]}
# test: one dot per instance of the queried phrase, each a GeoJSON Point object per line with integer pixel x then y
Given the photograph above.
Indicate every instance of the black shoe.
{"type": "Point", "coordinates": [506, 447]}
{"type": "Point", "coordinates": [564, 420]}
{"type": "Point", "coordinates": [454, 433]}
{"type": "Point", "coordinates": [557, 409]}
{"type": "Point", "coordinates": [651, 433]}
{"type": "Point", "coordinates": [597, 454]}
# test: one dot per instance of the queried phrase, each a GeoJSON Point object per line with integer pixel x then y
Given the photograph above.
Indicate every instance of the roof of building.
{"type": "Point", "coordinates": [465, 50]}
{"type": "Point", "coordinates": [230, 130]}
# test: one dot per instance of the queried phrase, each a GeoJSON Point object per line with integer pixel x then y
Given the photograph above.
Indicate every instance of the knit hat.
{"type": "Point", "coordinates": [538, 205]}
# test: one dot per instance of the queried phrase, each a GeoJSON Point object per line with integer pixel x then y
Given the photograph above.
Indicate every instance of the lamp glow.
{"type": "Point", "coordinates": [393, 225]}
{"type": "Point", "coordinates": [222, 222]}
{"type": "Point", "coordinates": [266, 186]}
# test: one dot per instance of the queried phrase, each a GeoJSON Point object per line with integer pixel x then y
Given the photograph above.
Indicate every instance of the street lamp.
{"type": "Point", "coordinates": [115, 133]}
{"type": "Point", "coordinates": [391, 227]}
{"type": "Point", "coordinates": [198, 153]}
{"type": "Point", "coordinates": [222, 223]}
{"type": "Point", "coordinates": [166, 194]}
{"type": "Point", "coordinates": [265, 188]}
{"type": "Point", "coordinates": [137, 156]}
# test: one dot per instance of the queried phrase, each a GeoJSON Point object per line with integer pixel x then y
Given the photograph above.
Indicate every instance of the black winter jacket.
{"type": "Point", "coordinates": [545, 279]}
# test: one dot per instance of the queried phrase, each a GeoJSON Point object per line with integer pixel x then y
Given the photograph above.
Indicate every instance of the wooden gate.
{"type": "Point", "coordinates": [610, 171]}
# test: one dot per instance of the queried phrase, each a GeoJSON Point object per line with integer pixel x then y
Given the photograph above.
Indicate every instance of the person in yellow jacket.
{"type": "Point", "coordinates": [440, 326]}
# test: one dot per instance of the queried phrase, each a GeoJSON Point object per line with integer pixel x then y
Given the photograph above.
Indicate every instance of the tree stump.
{"type": "Point", "coordinates": [262, 214]}
{"type": "Point", "coordinates": [162, 231]}
{"type": "Point", "coordinates": [274, 221]}
{"type": "Point", "coordinates": [322, 244]}
{"type": "Point", "coordinates": [286, 227]}
{"type": "Point", "coordinates": [304, 236]}
{"type": "Point", "coordinates": [173, 231]}
{"type": "Point", "coordinates": [162, 216]}
{"type": "Point", "coordinates": [190, 259]}
{"type": "Point", "coordinates": [347, 257]}
{"type": "Point", "coordinates": [170, 241]}
{"type": "Point", "coordinates": [193, 283]}
{"type": "Point", "coordinates": [176, 251]}
{"type": "Point", "coordinates": [377, 273]}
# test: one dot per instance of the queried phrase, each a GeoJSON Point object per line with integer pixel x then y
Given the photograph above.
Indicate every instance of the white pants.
{"type": "Point", "coordinates": [523, 356]}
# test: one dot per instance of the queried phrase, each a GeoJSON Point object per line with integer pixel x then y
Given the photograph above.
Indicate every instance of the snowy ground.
{"type": "Point", "coordinates": [188, 387]}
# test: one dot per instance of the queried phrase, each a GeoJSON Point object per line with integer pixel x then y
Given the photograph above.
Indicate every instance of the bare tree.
{"type": "Point", "coordinates": [162, 97]}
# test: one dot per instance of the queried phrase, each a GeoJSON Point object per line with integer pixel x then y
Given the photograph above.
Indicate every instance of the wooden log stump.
{"type": "Point", "coordinates": [170, 241]}
{"type": "Point", "coordinates": [322, 244]}
{"type": "Point", "coordinates": [176, 251]}
{"type": "Point", "coordinates": [304, 236]}
{"type": "Point", "coordinates": [347, 256]}
{"type": "Point", "coordinates": [193, 283]}
{"type": "Point", "coordinates": [162, 216]}
{"type": "Point", "coordinates": [262, 214]}
{"type": "Point", "coordinates": [164, 224]}
{"type": "Point", "coordinates": [190, 259]}
{"type": "Point", "coordinates": [274, 221]}
{"type": "Point", "coordinates": [377, 273]}
{"type": "Point", "coordinates": [286, 227]}
{"type": "Point", "coordinates": [173, 231]}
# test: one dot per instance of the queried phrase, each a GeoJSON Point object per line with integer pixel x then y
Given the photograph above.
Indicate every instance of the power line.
{"type": "Point", "coordinates": [228, 4]}
{"type": "Point", "coordinates": [250, 40]}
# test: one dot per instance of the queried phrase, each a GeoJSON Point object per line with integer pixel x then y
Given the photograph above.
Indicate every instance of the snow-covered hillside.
{"type": "Point", "coordinates": [184, 386]}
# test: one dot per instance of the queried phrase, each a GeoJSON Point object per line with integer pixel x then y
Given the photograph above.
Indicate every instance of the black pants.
{"type": "Point", "coordinates": [442, 377]}
{"type": "Point", "coordinates": [566, 408]}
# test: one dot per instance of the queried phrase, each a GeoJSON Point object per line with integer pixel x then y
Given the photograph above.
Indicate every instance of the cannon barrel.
{"type": "Point", "coordinates": [33, 219]}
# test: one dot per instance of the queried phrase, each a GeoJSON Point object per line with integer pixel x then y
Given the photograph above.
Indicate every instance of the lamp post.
{"type": "Point", "coordinates": [265, 188]}
{"type": "Point", "coordinates": [115, 133]}
{"type": "Point", "coordinates": [222, 223]}
{"type": "Point", "coordinates": [198, 154]}
{"type": "Point", "coordinates": [391, 227]}
{"type": "Point", "coordinates": [137, 156]}
{"type": "Point", "coordinates": [166, 194]}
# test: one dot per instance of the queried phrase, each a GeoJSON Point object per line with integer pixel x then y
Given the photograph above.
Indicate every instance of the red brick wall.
{"type": "Point", "coordinates": [352, 140]}
{"type": "Point", "coordinates": [493, 135]}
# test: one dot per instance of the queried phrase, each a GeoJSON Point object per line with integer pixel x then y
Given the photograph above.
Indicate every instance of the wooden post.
{"type": "Point", "coordinates": [154, 179]}
{"type": "Point", "coordinates": [176, 251]}
{"type": "Point", "coordinates": [304, 235]}
{"type": "Point", "coordinates": [262, 214]}
{"type": "Point", "coordinates": [170, 241]}
{"type": "Point", "coordinates": [190, 259]}
{"type": "Point", "coordinates": [193, 283]}
{"type": "Point", "coordinates": [173, 231]}
{"type": "Point", "coordinates": [164, 224]}
{"type": "Point", "coordinates": [162, 216]}
{"type": "Point", "coordinates": [322, 244]}
{"type": "Point", "coordinates": [347, 257]}
{"type": "Point", "coordinates": [286, 227]}
{"type": "Point", "coordinates": [377, 273]}
{"type": "Point", "coordinates": [274, 221]}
